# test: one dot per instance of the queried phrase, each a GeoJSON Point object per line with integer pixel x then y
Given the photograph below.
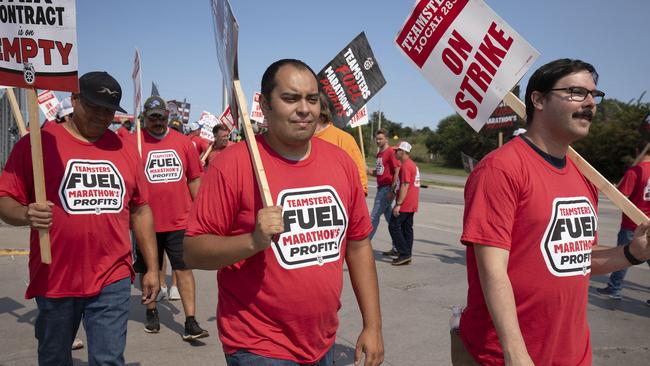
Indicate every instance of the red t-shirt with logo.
{"type": "Point", "coordinates": [283, 301]}
{"type": "Point", "coordinates": [386, 165]}
{"type": "Point", "coordinates": [409, 173]}
{"type": "Point", "coordinates": [92, 186]}
{"type": "Point", "coordinates": [636, 186]}
{"type": "Point", "coordinates": [169, 163]}
{"type": "Point", "coordinates": [546, 218]}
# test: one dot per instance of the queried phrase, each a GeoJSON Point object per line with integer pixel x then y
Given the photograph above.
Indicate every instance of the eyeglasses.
{"type": "Point", "coordinates": [579, 94]}
{"type": "Point", "coordinates": [156, 117]}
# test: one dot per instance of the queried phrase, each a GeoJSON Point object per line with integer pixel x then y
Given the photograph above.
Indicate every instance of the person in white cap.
{"type": "Point", "coordinates": [201, 144]}
{"type": "Point", "coordinates": [406, 205]}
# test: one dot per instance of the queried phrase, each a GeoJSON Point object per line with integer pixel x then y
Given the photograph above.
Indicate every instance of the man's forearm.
{"type": "Point", "coordinates": [492, 266]}
{"type": "Point", "coordinates": [145, 236]}
{"type": "Point", "coordinates": [363, 276]}
{"type": "Point", "coordinates": [12, 212]}
{"type": "Point", "coordinates": [194, 187]}
{"type": "Point", "coordinates": [212, 252]}
{"type": "Point", "coordinates": [403, 190]}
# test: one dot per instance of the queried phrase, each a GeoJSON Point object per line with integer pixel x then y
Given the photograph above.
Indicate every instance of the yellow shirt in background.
{"type": "Point", "coordinates": [345, 141]}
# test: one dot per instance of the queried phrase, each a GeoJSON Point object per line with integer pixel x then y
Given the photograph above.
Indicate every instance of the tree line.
{"type": "Point", "coordinates": [615, 138]}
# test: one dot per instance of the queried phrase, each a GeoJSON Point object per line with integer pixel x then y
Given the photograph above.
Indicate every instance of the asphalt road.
{"type": "Point", "coordinates": [415, 301]}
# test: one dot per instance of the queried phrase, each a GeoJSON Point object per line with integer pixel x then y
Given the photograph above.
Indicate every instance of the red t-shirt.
{"type": "Point", "coordinates": [636, 186]}
{"type": "Point", "coordinates": [409, 173]}
{"type": "Point", "coordinates": [92, 186]}
{"type": "Point", "coordinates": [169, 164]}
{"type": "Point", "coordinates": [386, 165]}
{"type": "Point", "coordinates": [283, 301]}
{"type": "Point", "coordinates": [200, 144]}
{"type": "Point", "coordinates": [123, 132]}
{"type": "Point", "coordinates": [546, 218]}
{"type": "Point", "coordinates": [214, 153]}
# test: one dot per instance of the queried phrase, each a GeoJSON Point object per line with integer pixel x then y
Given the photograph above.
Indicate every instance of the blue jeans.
{"type": "Point", "coordinates": [245, 358]}
{"type": "Point", "coordinates": [616, 278]}
{"type": "Point", "coordinates": [380, 207]}
{"type": "Point", "coordinates": [105, 317]}
{"type": "Point", "coordinates": [401, 231]}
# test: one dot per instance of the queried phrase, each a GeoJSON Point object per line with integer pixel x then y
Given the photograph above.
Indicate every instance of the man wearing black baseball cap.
{"type": "Point", "coordinates": [95, 187]}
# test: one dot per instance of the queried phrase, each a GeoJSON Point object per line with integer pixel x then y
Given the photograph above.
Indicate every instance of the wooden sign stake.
{"type": "Point", "coordinates": [15, 109]}
{"type": "Point", "coordinates": [206, 153]}
{"type": "Point", "coordinates": [260, 174]}
{"type": "Point", "coordinates": [37, 165]}
{"type": "Point", "coordinates": [363, 151]}
{"type": "Point", "coordinates": [588, 171]}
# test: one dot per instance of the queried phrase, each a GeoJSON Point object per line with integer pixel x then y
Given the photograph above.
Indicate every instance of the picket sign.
{"type": "Point", "coordinates": [588, 171]}
{"type": "Point", "coordinates": [15, 109]}
{"type": "Point", "coordinates": [251, 142]}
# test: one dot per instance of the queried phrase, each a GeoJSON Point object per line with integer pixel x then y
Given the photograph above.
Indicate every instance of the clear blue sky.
{"type": "Point", "coordinates": [177, 45]}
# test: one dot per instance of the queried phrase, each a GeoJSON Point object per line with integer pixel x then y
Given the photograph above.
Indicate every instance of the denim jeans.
{"type": "Point", "coordinates": [245, 358]}
{"type": "Point", "coordinates": [401, 231]}
{"type": "Point", "coordinates": [380, 207]}
{"type": "Point", "coordinates": [105, 317]}
{"type": "Point", "coordinates": [616, 278]}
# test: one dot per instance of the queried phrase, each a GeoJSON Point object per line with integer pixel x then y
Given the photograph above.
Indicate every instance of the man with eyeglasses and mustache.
{"type": "Point", "coordinates": [530, 232]}
{"type": "Point", "coordinates": [173, 173]}
{"type": "Point", "coordinates": [95, 186]}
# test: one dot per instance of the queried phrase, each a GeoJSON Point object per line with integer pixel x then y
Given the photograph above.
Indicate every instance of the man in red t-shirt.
{"type": "Point", "coordinates": [530, 231]}
{"type": "Point", "coordinates": [199, 142]}
{"type": "Point", "coordinates": [95, 187]}
{"type": "Point", "coordinates": [400, 226]}
{"type": "Point", "coordinates": [281, 267]}
{"type": "Point", "coordinates": [387, 173]}
{"type": "Point", "coordinates": [221, 142]}
{"type": "Point", "coordinates": [636, 186]}
{"type": "Point", "coordinates": [125, 130]}
{"type": "Point", "coordinates": [173, 177]}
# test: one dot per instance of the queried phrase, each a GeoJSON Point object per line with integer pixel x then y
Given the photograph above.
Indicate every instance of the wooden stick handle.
{"type": "Point", "coordinates": [138, 134]}
{"type": "Point", "coordinates": [642, 154]}
{"type": "Point", "coordinates": [15, 109]}
{"type": "Point", "coordinates": [37, 166]}
{"type": "Point", "coordinates": [260, 174]}
{"type": "Point", "coordinates": [206, 153]}
{"type": "Point", "coordinates": [363, 151]}
{"type": "Point", "coordinates": [588, 171]}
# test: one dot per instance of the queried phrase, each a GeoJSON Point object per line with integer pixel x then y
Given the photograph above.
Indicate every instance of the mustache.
{"type": "Point", "coordinates": [586, 114]}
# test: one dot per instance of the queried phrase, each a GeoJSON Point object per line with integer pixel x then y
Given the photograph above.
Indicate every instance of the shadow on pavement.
{"type": "Point", "coordinates": [166, 312]}
{"type": "Point", "coordinates": [627, 305]}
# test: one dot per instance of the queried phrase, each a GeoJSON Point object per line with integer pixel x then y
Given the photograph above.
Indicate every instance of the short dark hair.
{"type": "Point", "coordinates": [268, 79]}
{"type": "Point", "coordinates": [381, 131]}
{"type": "Point", "coordinates": [544, 79]}
{"type": "Point", "coordinates": [325, 114]}
{"type": "Point", "coordinates": [219, 127]}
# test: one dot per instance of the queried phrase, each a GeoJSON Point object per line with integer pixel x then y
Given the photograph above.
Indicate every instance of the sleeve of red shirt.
{"type": "Point", "coordinates": [626, 186]}
{"type": "Point", "coordinates": [17, 179]}
{"type": "Point", "coordinates": [490, 207]}
{"type": "Point", "coordinates": [194, 169]}
{"type": "Point", "coordinates": [407, 173]}
{"type": "Point", "coordinates": [215, 206]}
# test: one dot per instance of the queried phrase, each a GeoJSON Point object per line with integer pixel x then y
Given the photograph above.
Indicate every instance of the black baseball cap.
{"type": "Point", "coordinates": [100, 88]}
